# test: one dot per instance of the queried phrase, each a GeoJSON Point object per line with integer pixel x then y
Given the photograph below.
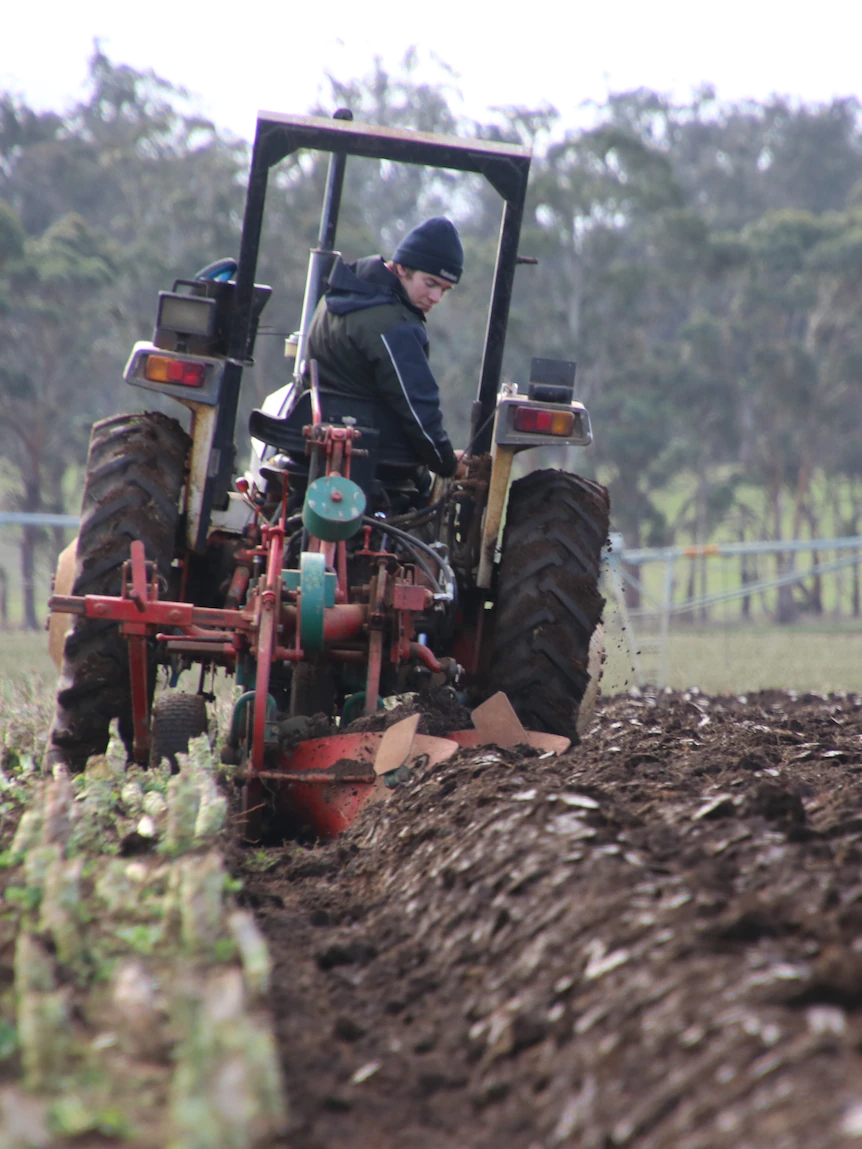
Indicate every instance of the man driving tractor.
{"type": "Point", "coordinates": [169, 566]}
{"type": "Point", "coordinates": [369, 339]}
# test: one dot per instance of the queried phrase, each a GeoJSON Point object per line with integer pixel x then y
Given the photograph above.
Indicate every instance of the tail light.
{"type": "Point", "coordinates": [536, 420]}
{"type": "Point", "coordinates": [161, 369]}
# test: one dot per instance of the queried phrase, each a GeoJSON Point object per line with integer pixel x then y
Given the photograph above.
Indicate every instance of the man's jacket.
{"type": "Point", "coordinates": [370, 341]}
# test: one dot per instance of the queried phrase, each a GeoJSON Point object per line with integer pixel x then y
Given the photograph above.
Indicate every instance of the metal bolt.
{"type": "Point", "coordinates": [336, 496]}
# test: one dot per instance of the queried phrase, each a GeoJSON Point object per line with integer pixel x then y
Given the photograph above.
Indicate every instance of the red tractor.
{"type": "Point", "coordinates": [324, 580]}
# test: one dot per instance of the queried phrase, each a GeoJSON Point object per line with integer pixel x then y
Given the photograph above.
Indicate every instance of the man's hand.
{"type": "Point", "coordinates": [461, 468]}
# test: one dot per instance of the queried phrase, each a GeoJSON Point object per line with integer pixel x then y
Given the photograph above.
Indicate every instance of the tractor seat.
{"type": "Point", "coordinates": [382, 435]}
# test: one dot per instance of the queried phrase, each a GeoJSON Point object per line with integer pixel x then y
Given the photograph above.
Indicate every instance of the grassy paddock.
{"type": "Point", "coordinates": [25, 654]}
{"type": "Point", "coordinates": [739, 659]}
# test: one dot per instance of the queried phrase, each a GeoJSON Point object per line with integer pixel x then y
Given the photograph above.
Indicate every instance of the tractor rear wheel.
{"type": "Point", "coordinates": [135, 475]}
{"type": "Point", "coordinates": [548, 601]}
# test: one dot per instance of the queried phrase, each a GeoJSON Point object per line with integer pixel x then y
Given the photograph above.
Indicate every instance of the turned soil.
{"type": "Point", "coordinates": [654, 940]}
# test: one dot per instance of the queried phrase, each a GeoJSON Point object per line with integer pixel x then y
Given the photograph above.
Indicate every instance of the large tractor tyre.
{"type": "Point", "coordinates": [135, 476]}
{"type": "Point", "coordinates": [177, 719]}
{"type": "Point", "coordinates": [548, 601]}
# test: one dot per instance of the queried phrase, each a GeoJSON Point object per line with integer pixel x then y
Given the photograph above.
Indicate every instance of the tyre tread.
{"type": "Point", "coordinates": [177, 718]}
{"type": "Point", "coordinates": [135, 474]}
{"type": "Point", "coordinates": [548, 599]}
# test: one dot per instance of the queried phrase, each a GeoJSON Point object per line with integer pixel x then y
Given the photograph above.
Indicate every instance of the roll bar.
{"type": "Point", "coordinates": [505, 166]}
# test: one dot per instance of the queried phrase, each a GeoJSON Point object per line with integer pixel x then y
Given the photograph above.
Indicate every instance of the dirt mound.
{"type": "Point", "coordinates": [440, 709]}
{"type": "Point", "coordinates": [655, 940]}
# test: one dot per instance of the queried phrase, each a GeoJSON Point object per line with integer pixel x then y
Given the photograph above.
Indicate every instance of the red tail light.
{"type": "Point", "coordinates": [535, 420]}
{"type": "Point", "coordinates": [161, 369]}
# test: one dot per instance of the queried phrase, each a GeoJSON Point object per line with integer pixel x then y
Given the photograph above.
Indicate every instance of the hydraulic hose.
{"type": "Point", "coordinates": [446, 593]}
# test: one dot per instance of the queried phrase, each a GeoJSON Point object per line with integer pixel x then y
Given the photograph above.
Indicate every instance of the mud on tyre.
{"type": "Point", "coordinates": [548, 601]}
{"type": "Point", "coordinates": [135, 475]}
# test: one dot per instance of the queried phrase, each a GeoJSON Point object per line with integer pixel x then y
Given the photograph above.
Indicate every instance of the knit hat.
{"type": "Point", "coordinates": [435, 247]}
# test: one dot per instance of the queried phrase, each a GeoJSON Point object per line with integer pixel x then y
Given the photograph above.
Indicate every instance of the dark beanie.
{"type": "Point", "coordinates": [434, 246]}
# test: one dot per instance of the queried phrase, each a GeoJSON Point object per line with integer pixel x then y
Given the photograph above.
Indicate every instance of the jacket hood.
{"type": "Point", "coordinates": [365, 283]}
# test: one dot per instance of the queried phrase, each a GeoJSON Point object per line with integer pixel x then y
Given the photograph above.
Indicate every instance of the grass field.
{"type": "Point", "coordinates": [722, 660]}
{"type": "Point", "coordinates": [25, 654]}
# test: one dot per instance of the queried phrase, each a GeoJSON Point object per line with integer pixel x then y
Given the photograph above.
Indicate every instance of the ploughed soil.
{"type": "Point", "coordinates": [654, 940]}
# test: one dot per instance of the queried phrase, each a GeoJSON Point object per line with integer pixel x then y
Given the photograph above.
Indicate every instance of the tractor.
{"type": "Point", "coordinates": [322, 578]}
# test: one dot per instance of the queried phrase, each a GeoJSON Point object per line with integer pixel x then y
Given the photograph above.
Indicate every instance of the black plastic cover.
{"type": "Point", "coordinates": [552, 380]}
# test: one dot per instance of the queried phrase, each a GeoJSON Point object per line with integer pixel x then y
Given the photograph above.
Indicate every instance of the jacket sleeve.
{"type": "Point", "coordinates": [405, 381]}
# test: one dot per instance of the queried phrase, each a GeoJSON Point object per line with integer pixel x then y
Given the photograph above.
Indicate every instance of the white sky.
{"type": "Point", "coordinates": [239, 57]}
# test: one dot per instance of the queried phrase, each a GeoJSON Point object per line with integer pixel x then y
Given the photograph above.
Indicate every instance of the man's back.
{"type": "Point", "coordinates": [368, 337]}
{"type": "Point", "coordinates": [362, 303]}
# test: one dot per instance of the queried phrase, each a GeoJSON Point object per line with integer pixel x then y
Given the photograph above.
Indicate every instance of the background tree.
{"type": "Point", "coordinates": [54, 289]}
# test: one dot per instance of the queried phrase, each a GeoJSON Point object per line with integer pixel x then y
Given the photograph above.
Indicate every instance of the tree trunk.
{"type": "Point", "coordinates": [786, 609]}
{"type": "Point", "coordinates": [815, 597]}
{"type": "Point", "coordinates": [854, 570]}
{"type": "Point", "coordinates": [632, 589]}
{"type": "Point", "coordinates": [702, 531]}
{"type": "Point", "coordinates": [687, 616]}
{"type": "Point", "coordinates": [631, 531]}
{"type": "Point", "coordinates": [29, 540]}
{"type": "Point", "coordinates": [28, 567]}
{"type": "Point", "coordinates": [59, 541]}
{"type": "Point", "coordinates": [745, 578]}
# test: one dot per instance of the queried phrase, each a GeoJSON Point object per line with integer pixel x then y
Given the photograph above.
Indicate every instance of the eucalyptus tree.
{"type": "Point", "coordinates": [55, 304]}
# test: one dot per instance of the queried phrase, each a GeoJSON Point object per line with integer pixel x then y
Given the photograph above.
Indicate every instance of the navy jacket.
{"type": "Point", "coordinates": [370, 341]}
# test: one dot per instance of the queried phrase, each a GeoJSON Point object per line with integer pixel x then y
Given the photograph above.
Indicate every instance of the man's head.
{"type": "Point", "coordinates": [429, 261]}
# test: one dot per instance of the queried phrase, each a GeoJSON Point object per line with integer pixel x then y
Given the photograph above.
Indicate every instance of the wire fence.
{"type": "Point", "coordinates": [657, 589]}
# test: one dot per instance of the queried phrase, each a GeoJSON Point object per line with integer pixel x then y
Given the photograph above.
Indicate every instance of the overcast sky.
{"type": "Point", "coordinates": [274, 54]}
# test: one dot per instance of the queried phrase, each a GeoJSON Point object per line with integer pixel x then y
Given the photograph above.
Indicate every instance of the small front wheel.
{"type": "Point", "coordinates": [177, 719]}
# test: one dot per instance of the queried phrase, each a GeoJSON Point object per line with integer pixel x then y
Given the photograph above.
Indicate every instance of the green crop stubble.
{"type": "Point", "coordinates": [137, 984]}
